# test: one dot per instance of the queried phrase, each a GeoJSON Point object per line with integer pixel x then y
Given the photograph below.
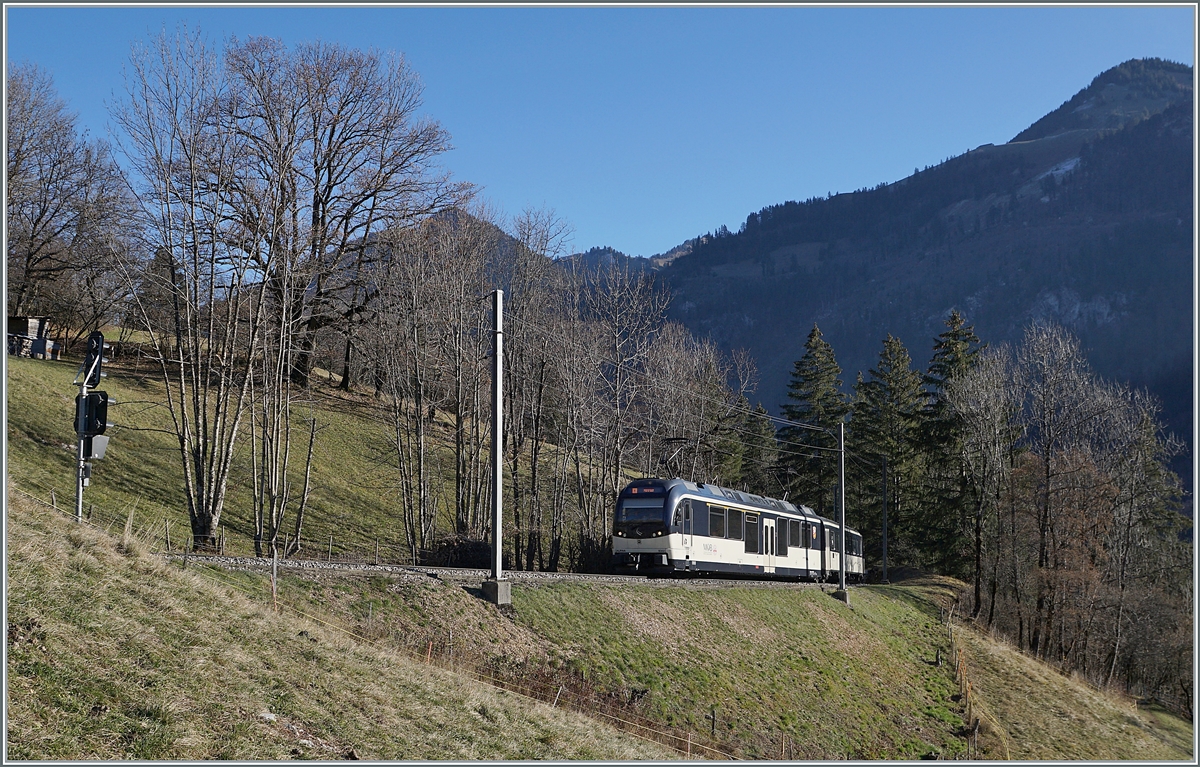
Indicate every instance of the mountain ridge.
{"type": "Point", "coordinates": [1084, 222]}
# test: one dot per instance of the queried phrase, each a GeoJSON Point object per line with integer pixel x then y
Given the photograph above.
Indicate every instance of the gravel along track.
{"type": "Point", "coordinates": [471, 575]}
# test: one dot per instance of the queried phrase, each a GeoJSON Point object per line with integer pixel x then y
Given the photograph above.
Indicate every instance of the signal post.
{"type": "Point", "coordinates": [91, 417]}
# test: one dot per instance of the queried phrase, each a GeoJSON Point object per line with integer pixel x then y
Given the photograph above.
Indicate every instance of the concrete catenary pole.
{"type": "Point", "coordinates": [495, 588]}
{"type": "Point", "coordinates": [497, 433]}
{"type": "Point", "coordinates": [842, 507]}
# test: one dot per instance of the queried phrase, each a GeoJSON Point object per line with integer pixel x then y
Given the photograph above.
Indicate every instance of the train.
{"type": "Point", "coordinates": [673, 527]}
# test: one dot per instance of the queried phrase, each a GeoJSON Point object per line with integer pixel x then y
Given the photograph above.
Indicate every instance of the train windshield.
{"type": "Point", "coordinates": [640, 518]}
{"type": "Point", "coordinates": [641, 510]}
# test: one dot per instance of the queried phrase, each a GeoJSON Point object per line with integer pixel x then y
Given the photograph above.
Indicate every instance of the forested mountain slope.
{"type": "Point", "coordinates": [1085, 219]}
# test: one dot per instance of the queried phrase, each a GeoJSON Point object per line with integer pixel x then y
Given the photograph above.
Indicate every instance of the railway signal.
{"type": "Point", "coordinates": [91, 416]}
{"type": "Point", "coordinates": [93, 360]}
{"type": "Point", "coordinates": [95, 412]}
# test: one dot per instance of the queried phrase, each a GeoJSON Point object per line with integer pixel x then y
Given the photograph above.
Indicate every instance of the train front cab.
{"type": "Point", "coordinates": [642, 529]}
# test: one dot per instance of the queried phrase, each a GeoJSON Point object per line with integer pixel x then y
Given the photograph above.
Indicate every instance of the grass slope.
{"type": "Point", "coordinates": [788, 670]}
{"type": "Point", "coordinates": [114, 655]}
{"type": "Point", "coordinates": [1030, 711]}
{"type": "Point", "coordinates": [351, 498]}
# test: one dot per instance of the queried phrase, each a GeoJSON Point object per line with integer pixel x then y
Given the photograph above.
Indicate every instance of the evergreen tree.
{"type": "Point", "coordinates": [886, 425]}
{"type": "Point", "coordinates": [807, 457]}
{"type": "Point", "coordinates": [759, 453]}
{"type": "Point", "coordinates": [946, 521]}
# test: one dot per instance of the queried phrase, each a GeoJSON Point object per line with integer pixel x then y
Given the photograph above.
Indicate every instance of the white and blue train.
{"type": "Point", "coordinates": [666, 526]}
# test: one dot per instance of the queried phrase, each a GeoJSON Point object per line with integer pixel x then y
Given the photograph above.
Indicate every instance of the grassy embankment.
{"type": "Point", "coordinates": [788, 670]}
{"type": "Point", "coordinates": [113, 654]}
{"type": "Point", "coordinates": [351, 497]}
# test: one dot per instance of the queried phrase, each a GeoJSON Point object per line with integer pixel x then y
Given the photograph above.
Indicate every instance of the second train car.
{"type": "Point", "coordinates": [667, 526]}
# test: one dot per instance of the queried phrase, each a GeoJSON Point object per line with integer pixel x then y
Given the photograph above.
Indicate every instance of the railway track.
{"type": "Point", "coordinates": [466, 575]}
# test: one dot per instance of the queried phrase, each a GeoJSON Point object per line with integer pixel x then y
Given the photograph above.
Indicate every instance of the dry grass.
{"type": "Point", "coordinates": [115, 655]}
{"type": "Point", "coordinates": [1045, 715]}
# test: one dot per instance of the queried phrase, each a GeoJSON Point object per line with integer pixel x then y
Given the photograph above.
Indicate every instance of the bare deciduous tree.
{"type": "Point", "coordinates": [186, 151]}
{"type": "Point", "coordinates": [68, 209]}
{"type": "Point", "coordinates": [1086, 566]}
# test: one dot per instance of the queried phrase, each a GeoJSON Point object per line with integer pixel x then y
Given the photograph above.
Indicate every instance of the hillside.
{"type": "Point", "coordinates": [1084, 219]}
{"type": "Point", "coordinates": [141, 468]}
{"type": "Point", "coordinates": [115, 654]}
{"type": "Point", "coordinates": [786, 667]}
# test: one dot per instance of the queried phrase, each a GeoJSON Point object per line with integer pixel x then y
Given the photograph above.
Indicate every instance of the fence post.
{"type": "Point", "coordinates": [167, 532]}
{"type": "Point", "coordinates": [376, 551]}
{"type": "Point", "coordinates": [53, 500]}
{"type": "Point", "coordinates": [329, 556]}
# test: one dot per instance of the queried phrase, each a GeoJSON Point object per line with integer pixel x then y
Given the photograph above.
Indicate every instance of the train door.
{"type": "Point", "coordinates": [832, 545]}
{"type": "Point", "coordinates": [768, 534]}
{"type": "Point", "coordinates": [826, 553]}
{"type": "Point", "coordinates": [813, 559]}
{"type": "Point", "coordinates": [687, 533]}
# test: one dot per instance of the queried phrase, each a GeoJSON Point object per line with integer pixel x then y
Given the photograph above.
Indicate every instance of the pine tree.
{"type": "Point", "coordinates": [759, 453]}
{"type": "Point", "coordinates": [886, 425]}
{"type": "Point", "coordinates": [946, 524]}
{"type": "Point", "coordinates": [807, 457]}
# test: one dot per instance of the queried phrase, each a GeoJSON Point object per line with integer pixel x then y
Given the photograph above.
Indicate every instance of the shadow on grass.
{"type": "Point", "coordinates": [923, 595]}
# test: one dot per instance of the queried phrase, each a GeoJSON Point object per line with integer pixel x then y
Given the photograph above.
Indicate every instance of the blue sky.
{"type": "Point", "coordinates": [645, 126]}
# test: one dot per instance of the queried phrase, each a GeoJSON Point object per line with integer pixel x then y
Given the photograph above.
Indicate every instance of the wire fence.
{"type": "Point", "coordinates": [968, 697]}
{"type": "Point", "coordinates": [617, 708]}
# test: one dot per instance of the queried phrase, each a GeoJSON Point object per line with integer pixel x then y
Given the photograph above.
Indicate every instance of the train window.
{"type": "Point", "coordinates": [794, 534]}
{"type": "Point", "coordinates": [751, 533]}
{"type": "Point", "coordinates": [735, 525]}
{"type": "Point", "coordinates": [814, 536]}
{"type": "Point", "coordinates": [716, 522]}
{"type": "Point", "coordinates": [781, 537]}
{"type": "Point", "coordinates": [854, 544]}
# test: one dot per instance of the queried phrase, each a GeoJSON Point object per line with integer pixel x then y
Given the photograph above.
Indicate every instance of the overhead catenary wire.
{"type": "Point", "coordinates": [658, 381]}
{"type": "Point", "coordinates": [783, 447]}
